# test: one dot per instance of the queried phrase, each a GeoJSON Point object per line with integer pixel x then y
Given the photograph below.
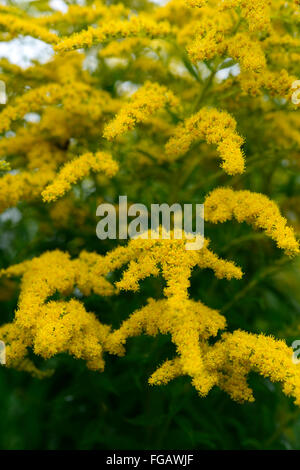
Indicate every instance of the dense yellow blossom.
{"type": "Point", "coordinates": [22, 186]}
{"type": "Point", "coordinates": [148, 99]}
{"type": "Point", "coordinates": [78, 169]}
{"type": "Point", "coordinates": [126, 94]}
{"type": "Point", "coordinates": [215, 127]}
{"type": "Point", "coordinates": [52, 327]}
{"type": "Point", "coordinates": [230, 359]}
{"type": "Point", "coordinates": [83, 14]}
{"type": "Point", "coordinates": [57, 326]}
{"type": "Point", "coordinates": [16, 26]}
{"type": "Point", "coordinates": [222, 204]}
{"type": "Point", "coordinates": [256, 12]}
{"type": "Point", "coordinates": [240, 47]}
{"type": "Point", "coordinates": [135, 26]}
{"type": "Point", "coordinates": [35, 99]}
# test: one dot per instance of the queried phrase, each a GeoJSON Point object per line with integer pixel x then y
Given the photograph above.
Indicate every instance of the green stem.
{"type": "Point", "coordinates": [269, 270]}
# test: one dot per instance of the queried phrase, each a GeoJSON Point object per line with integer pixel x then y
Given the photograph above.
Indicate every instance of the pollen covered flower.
{"type": "Point", "coordinates": [35, 99]}
{"type": "Point", "coordinates": [216, 127]}
{"type": "Point", "coordinates": [83, 14]}
{"type": "Point", "coordinates": [15, 25]}
{"type": "Point", "coordinates": [77, 169]}
{"type": "Point", "coordinates": [147, 100]}
{"type": "Point", "coordinates": [140, 99]}
{"type": "Point", "coordinates": [134, 27]}
{"type": "Point", "coordinates": [256, 12]}
{"type": "Point", "coordinates": [25, 186]}
{"type": "Point", "coordinates": [232, 358]}
{"type": "Point", "coordinates": [238, 353]}
{"type": "Point", "coordinates": [223, 204]}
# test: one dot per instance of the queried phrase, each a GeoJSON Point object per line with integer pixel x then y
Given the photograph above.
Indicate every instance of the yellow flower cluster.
{"type": "Point", "coordinates": [83, 14]}
{"type": "Point", "coordinates": [216, 127]}
{"type": "Point", "coordinates": [77, 169]}
{"type": "Point", "coordinates": [135, 26]}
{"type": "Point", "coordinates": [203, 75]}
{"type": "Point", "coordinates": [257, 12]}
{"type": "Point", "coordinates": [34, 100]}
{"type": "Point", "coordinates": [241, 47]}
{"type": "Point", "coordinates": [53, 326]}
{"type": "Point", "coordinates": [209, 38]}
{"type": "Point", "coordinates": [223, 204]}
{"type": "Point", "coordinates": [227, 363]}
{"type": "Point", "coordinates": [219, 35]}
{"type": "Point", "coordinates": [146, 101]}
{"type": "Point", "coordinates": [16, 26]}
{"type": "Point", "coordinates": [50, 327]}
{"type": "Point", "coordinates": [24, 186]}
{"type": "Point", "coordinates": [278, 83]}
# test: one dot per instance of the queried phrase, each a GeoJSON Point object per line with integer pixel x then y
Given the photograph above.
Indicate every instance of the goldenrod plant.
{"type": "Point", "coordinates": [189, 102]}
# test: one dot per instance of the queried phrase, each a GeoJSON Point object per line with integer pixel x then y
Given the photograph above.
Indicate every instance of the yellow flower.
{"type": "Point", "coordinates": [202, 75]}
{"type": "Point", "coordinates": [148, 99]}
{"type": "Point", "coordinates": [26, 27]}
{"type": "Point", "coordinates": [77, 169]}
{"type": "Point", "coordinates": [216, 127]}
{"type": "Point", "coordinates": [136, 26]}
{"type": "Point", "coordinates": [223, 204]}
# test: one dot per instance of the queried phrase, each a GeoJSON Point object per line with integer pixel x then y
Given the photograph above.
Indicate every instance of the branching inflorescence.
{"type": "Point", "coordinates": [91, 134]}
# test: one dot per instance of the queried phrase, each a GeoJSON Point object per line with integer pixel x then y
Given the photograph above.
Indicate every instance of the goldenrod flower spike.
{"type": "Point", "coordinates": [136, 26]}
{"type": "Point", "coordinates": [256, 12]}
{"type": "Point", "coordinates": [176, 264]}
{"type": "Point", "coordinates": [247, 52]}
{"type": "Point", "coordinates": [223, 204]}
{"type": "Point", "coordinates": [215, 127]}
{"type": "Point", "coordinates": [168, 371]}
{"type": "Point", "coordinates": [35, 99]}
{"type": "Point", "coordinates": [77, 169]}
{"type": "Point", "coordinates": [26, 27]}
{"type": "Point", "coordinates": [184, 319]}
{"type": "Point", "coordinates": [212, 39]}
{"type": "Point", "coordinates": [84, 14]}
{"type": "Point", "coordinates": [238, 353]}
{"type": "Point", "coordinates": [209, 39]}
{"type": "Point", "coordinates": [24, 186]}
{"type": "Point", "coordinates": [238, 55]}
{"type": "Point", "coordinates": [53, 327]}
{"type": "Point", "coordinates": [186, 322]}
{"type": "Point", "coordinates": [229, 361]}
{"type": "Point", "coordinates": [150, 98]}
